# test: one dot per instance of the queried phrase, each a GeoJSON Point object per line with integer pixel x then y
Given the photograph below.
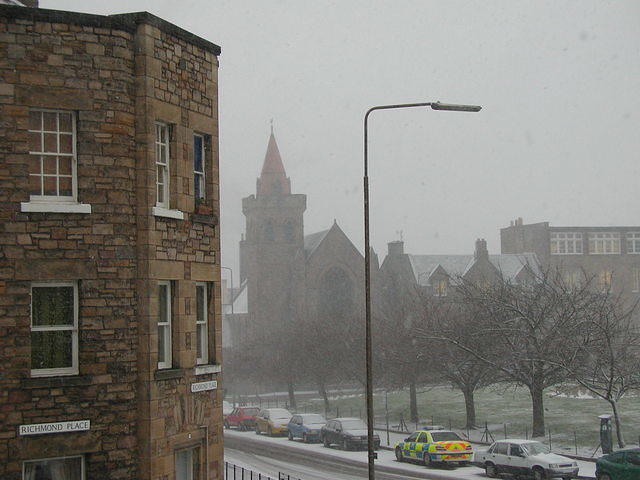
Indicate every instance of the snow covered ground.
{"type": "Point", "coordinates": [385, 458]}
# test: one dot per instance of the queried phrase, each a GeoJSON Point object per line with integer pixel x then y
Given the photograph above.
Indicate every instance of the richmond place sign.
{"type": "Point", "coordinates": [55, 427]}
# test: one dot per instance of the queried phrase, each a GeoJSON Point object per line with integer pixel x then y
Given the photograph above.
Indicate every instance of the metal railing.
{"type": "Point", "coordinates": [236, 472]}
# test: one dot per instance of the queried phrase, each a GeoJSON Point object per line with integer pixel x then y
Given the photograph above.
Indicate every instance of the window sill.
{"type": "Point", "coordinates": [168, 373]}
{"type": "Point", "coordinates": [206, 369]}
{"type": "Point", "coordinates": [53, 207]}
{"type": "Point", "coordinates": [54, 382]}
{"type": "Point", "coordinates": [167, 213]}
{"type": "Point", "coordinates": [209, 219]}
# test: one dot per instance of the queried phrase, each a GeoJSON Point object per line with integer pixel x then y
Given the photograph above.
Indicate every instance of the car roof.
{"type": "Point", "coordinates": [434, 431]}
{"type": "Point", "coordinates": [516, 440]}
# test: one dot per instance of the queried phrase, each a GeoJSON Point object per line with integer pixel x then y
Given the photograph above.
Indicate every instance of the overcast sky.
{"type": "Point", "coordinates": [558, 138]}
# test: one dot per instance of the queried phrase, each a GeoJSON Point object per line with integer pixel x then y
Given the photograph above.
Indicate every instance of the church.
{"type": "Point", "coordinates": [285, 274]}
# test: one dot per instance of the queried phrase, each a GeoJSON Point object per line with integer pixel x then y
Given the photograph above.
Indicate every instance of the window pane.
{"type": "Point", "coordinates": [162, 305]}
{"type": "Point", "coordinates": [200, 306]}
{"type": "Point", "coordinates": [50, 121]}
{"type": "Point", "coordinates": [50, 165]}
{"type": "Point", "coordinates": [52, 306]}
{"type": "Point", "coordinates": [197, 153]}
{"type": "Point", "coordinates": [161, 344]}
{"type": "Point", "coordinates": [66, 188]}
{"type": "Point", "coordinates": [65, 122]}
{"type": "Point", "coordinates": [50, 142]}
{"type": "Point", "coordinates": [35, 140]}
{"type": "Point", "coordinates": [196, 186]}
{"type": "Point", "coordinates": [60, 468]}
{"type": "Point", "coordinates": [64, 165]}
{"type": "Point", "coordinates": [50, 186]}
{"type": "Point", "coordinates": [52, 349]}
{"type": "Point", "coordinates": [66, 144]}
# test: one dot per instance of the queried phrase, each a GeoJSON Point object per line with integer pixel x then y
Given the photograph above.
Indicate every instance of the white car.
{"type": "Point", "coordinates": [525, 457]}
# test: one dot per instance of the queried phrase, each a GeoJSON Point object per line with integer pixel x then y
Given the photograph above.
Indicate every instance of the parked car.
{"type": "Point", "coordinates": [525, 457]}
{"type": "Point", "coordinates": [273, 421]}
{"type": "Point", "coordinates": [306, 426]}
{"type": "Point", "coordinates": [432, 447]}
{"type": "Point", "coordinates": [620, 465]}
{"type": "Point", "coordinates": [244, 418]}
{"type": "Point", "coordinates": [349, 433]}
{"type": "Point", "coordinates": [227, 408]}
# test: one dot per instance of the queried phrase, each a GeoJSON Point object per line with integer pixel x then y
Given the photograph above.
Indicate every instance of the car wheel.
{"type": "Point", "coordinates": [290, 436]}
{"type": "Point", "coordinates": [539, 474]}
{"type": "Point", "coordinates": [325, 442]}
{"type": "Point", "coordinates": [490, 470]}
{"type": "Point", "coordinates": [399, 456]}
{"type": "Point", "coordinates": [345, 445]}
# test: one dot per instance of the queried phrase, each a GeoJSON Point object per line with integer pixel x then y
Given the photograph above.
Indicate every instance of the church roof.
{"type": "Point", "coordinates": [313, 241]}
{"type": "Point", "coordinates": [273, 178]}
{"type": "Point", "coordinates": [456, 266]}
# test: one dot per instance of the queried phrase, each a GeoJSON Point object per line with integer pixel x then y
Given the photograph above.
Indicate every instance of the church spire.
{"type": "Point", "coordinates": [273, 179]}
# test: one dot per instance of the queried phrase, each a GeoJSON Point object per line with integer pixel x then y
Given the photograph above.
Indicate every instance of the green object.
{"type": "Point", "coordinates": [620, 465]}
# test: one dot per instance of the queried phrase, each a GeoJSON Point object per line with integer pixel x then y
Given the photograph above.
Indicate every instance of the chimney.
{"type": "Point", "coordinates": [396, 247]}
{"type": "Point", "coordinates": [481, 249]}
{"type": "Point", "coordinates": [31, 3]}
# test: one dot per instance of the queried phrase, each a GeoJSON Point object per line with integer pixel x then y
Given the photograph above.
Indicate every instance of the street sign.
{"type": "Point", "coordinates": [203, 386]}
{"type": "Point", "coordinates": [54, 427]}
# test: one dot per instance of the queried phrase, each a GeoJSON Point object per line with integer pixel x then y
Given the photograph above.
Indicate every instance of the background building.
{"type": "Point", "coordinates": [109, 278]}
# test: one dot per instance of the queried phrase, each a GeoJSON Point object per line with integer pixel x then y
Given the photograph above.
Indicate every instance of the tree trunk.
{"type": "Point", "coordinates": [537, 400]}
{"type": "Point", "coordinates": [470, 406]}
{"type": "Point", "coordinates": [323, 392]}
{"type": "Point", "coordinates": [292, 396]}
{"type": "Point", "coordinates": [616, 419]}
{"type": "Point", "coordinates": [413, 402]}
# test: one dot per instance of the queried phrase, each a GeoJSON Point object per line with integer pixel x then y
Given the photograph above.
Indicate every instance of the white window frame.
{"type": "Point", "coordinates": [161, 127]}
{"type": "Point", "coordinates": [562, 242]}
{"type": "Point", "coordinates": [440, 287]}
{"type": "Point", "coordinates": [202, 325]}
{"type": "Point", "coordinates": [633, 243]}
{"type": "Point", "coordinates": [635, 279]}
{"type": "Point", "coordinates": [195, 454]}
{"type": "Point", "coordinates": [83, 474]}
{"type": "Point", "coordinates": [164, 328]}
{"type": "Point", "coordinates": [572, 280]}
{"type": "Point", "coordinates": [200, 176]}
{"type": "Point", "coordinates": [73, 369]}
{"type": "Point", "coordinates": [73, 155]}
{"type": "Point", "coordinates": [605, 280]}
{"type": "Point", "coordinates": [604, 243]}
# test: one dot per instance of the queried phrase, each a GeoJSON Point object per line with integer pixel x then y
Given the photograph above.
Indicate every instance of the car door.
{"type": "Point", "coordinates": [233, 418]}
{"type": "Point", "coordinates": [409, 446]}
{"type": "Point", "coordinates": [517, 462]}
{"type": "Point", "coordinates": [337, 432]}
{"type": "Point", "coordinates": [499, 456]}
{"type": "Point", "coordinates": [422, 445]}
{"type": "Point", "coordinates": [295, 425]}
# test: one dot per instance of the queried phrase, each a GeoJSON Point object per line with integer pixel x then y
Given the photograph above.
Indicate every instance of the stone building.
{"type": "Point", "coordinates": [109, 275]}
{"type": "Point", "coordinates": [610, 255]}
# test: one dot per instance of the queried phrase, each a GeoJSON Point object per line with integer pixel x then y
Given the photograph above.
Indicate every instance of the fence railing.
{"type": "Point", "coordinates": [236, 472]}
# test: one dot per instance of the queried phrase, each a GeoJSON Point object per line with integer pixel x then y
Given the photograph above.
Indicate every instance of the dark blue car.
{"type": "Point", "coordinates": [306, 426]}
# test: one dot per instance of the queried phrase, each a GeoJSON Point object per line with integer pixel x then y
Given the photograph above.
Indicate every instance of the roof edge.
{"type": "Point", "coordinates": [123, 21]}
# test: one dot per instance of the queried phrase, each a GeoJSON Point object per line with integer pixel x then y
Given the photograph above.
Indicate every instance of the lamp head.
{"type": "Point", "coordinates": [452, 107]}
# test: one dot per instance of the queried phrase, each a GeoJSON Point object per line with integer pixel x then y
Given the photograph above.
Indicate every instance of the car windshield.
{"type": "Point", "coordinates": [444, 436]}
{"type": "Point", "coordinates": [535, 448]}
{"type": "Point", "coordinates": [313, 419]}
{"type": "Point", "coordinates": [353, 425]}
{"type": "Point", "coordinates": [250, 411]}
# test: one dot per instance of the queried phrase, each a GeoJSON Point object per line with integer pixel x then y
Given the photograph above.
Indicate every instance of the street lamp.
{"type": "Point", "coordinates": [367, 271]}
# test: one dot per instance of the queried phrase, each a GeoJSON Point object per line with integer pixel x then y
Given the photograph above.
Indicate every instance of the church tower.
{"type": "Point", "coordinates": [272, 250]}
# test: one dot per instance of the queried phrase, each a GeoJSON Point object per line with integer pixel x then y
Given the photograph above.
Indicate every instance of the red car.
{"type": "Point", "coordinates": [244, 418]}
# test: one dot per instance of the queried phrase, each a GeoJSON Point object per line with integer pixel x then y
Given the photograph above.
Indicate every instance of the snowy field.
{"type": "Point", "coordinates": [385, 458]}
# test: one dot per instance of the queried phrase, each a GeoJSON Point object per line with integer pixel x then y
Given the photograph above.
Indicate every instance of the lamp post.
{"type": "Point", "coordinates": [367, 269]}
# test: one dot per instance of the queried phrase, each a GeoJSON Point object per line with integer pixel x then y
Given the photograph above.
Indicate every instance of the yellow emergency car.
{"type": "Point", "coordinates": [433, 447]}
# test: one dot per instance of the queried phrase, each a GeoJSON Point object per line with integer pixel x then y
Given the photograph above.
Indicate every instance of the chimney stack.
{"type": "Point", "coordinates": [481, 249]}
{"type": "Point", "coordinates": [396, 247]}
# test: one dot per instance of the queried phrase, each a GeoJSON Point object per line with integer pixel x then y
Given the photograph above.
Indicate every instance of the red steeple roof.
{"type": "Point", "coordinates": [273, 179]}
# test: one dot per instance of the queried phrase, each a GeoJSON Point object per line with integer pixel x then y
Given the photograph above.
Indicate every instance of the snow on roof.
{"type": "Point", "coordinates": [313, 240]}
{"type": "Point", "coordinates": [510, 264]}
{"type": "Point", "coordinates": [12, 2]}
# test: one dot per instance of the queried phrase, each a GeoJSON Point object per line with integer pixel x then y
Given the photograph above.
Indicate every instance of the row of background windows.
{"type": "Point", "coordinates": [53, 158]}
{"type": "Point", "coordinates": [570, 243]}
{"type": "Point", "coordinates": [54, 327]}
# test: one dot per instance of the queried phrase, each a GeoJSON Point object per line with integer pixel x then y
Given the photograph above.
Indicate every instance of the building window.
{"type": "Point", "coordinates": [54, 329]}
{"type": "Point", "coordinates": [604, 280]}
{"type": "Point", "coordinates": [566, 243]}
{"type": "Point", "coordinates": [162, 165]}
{"type": "Point", "coordinates": [635, 279]}
{"type": "Point", "coordinates": [604, 243]}
{"type": "Point", "coordinates": [633, 242]}
{"type": "Point", "coordinates": [52, 156]}
{"type": "Point", "coordinates": [440, 287]}
{"type": "Point", "coordinates": [188, 464]}
{"type": "Point", "coordinates": [164, 324]}
{"type": "Point", "coordinates": [61, 468]}
{"type": "Point", "coordinates": [202, 338]}
{"type": "Point", "coordinates": [572, 280]}
{"type": "Point", "coordinates": [198, 167]}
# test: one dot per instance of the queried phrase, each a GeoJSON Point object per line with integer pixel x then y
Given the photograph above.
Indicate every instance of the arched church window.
{"type": "Point", "coordinates": [268, 231]}
{"type": "Point", "coordinates": [288, 231]}
{"type": "Point", "coordinates": [336, 294]}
